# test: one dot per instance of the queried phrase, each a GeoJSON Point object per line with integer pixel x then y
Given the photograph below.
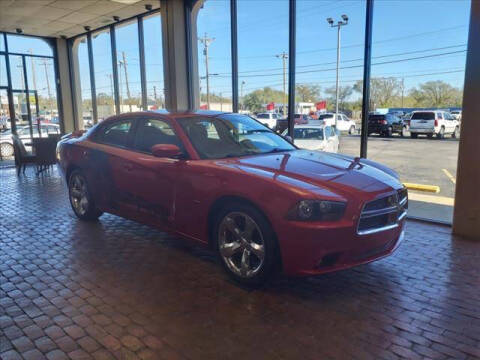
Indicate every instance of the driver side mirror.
{"type": "Point", "coordinates": [166, 151]}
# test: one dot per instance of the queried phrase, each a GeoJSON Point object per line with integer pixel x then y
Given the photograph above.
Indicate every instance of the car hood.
{"type": "Point", "coordinates": [317, 171]}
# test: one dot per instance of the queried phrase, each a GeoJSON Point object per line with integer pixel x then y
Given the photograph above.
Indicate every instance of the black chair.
{"type": "Point", "coordinates": [22, 157]}
{"type": "Point", "coordinates": [45, 152]}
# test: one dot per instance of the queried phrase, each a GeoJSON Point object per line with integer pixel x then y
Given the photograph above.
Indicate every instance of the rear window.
{"type": "Point", "coordinates": [423, 116]}
{"type": "Point", "coordinates": [263, 116]}
{"type": "Point", "coordinates": [325, 116]}
{"type": "Point", "coordinates": [376, 117]}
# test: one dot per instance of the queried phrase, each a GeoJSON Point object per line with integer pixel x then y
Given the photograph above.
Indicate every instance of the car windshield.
{"type": "Point", "coordinates": [325, 116]}
{"type": "Point", "coordinates": [314, 133]}
{"type": "Point", "coordinates": [231, 135]}
{"type": "Point", "coordinates": [263, 116]}
{"type": "Point", "coordinates": [423, 116]}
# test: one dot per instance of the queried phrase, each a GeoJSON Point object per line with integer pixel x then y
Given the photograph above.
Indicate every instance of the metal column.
{"type": "Point", "coordinates": [92, 78]}
{"type": "Point", "coordinates": [291, 66]}
{"type": "Point", "coordinates": [143, 76]}
{"type": "Point", "coordinates": [113, 48]}
{"type": "Point", "coordinates": [366, 78]}
{"type": "Point", "coordinates": [11, 105]}
{"type": "Point", "coordinates": [234, 48]}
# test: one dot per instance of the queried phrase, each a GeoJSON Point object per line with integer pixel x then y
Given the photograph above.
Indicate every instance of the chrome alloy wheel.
{"type": "Point", "coordinates": [241, 244]}
{"type": "Point", "coordinates": [79, 194]}
{"type": "Point", "coordinates": [6, 150]}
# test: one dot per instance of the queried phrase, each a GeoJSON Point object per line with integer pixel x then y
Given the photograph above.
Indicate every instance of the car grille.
{"type": "Point", "coordinates": [384, 213]}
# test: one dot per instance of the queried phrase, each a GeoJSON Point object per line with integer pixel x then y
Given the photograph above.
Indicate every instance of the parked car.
{"type": "Point", "coordinates": [268, 119]}
{"type": "Point", "coordinates": [386, 125]}
{"type": "Point", "coordinates": [456, 114]}
{"type": "Point", "coordinates": [343, 122]}
{"type": "Point", "coordinates": [23, 132]}
{"type": "Point", "coordinates": [227, 181]}
{"type": "Point", "coordinates": [299, 119]}
{"type": "Point", "coordinates": [433, 122]}
{"type": "Point", "coordinates": [315, 137]}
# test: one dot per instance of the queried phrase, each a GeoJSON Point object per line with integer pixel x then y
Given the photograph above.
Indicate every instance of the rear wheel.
{"type": "Point", "coordinates": [441, 133]}
{"type": "Point", "coordinates": [81, 200]}
{"type": "Point", "coordinates": [456, 133]}
{"type": "Point", "coordinates": [429, 136]}
{"type": "Point", "coordinates": [246, 243]}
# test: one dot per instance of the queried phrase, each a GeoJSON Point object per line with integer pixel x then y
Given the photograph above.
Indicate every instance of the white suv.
{"type": "Point", "coordinates": [434, 122]}
{"type": "Point", "coordinates": [268, 119]}
{"type": "Point", "coordinates": [343, 122]}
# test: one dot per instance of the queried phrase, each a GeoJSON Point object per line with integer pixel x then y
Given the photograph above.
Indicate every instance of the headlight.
{"type": "Point", "coordinates": [317, 210]}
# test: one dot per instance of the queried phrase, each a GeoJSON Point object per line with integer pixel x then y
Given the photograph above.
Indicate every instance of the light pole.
{"type": "Point", "coordinates": [338, 25]}
{"type": "Point", "coordinates": [241, 93]}
{"type": "Point", "coordinates": [284, 57]}
{"type": "Point", "coordinates": [206, 43]}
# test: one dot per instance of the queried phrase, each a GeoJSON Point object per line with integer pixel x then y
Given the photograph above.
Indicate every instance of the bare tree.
{"type": "Point", "coordinates": [436, 94]}
{"type": "Point", "coordinates": [307, 93]}
{"type": "Point", "coordinates": [383, 91]}
{"type": "Point", "coordinates": [344, 92]}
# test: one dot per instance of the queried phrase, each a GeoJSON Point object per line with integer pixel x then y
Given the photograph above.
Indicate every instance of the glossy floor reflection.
{"type": "Point", "coordinates": [117, 289]}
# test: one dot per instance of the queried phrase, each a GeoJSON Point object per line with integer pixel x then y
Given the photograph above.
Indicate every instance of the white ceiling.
{"type": "Point", "coordinates": [65, 17]}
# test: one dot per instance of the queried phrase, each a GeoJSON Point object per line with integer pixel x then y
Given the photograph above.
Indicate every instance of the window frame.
{"type": "Point", "coordinates": [141, 121]}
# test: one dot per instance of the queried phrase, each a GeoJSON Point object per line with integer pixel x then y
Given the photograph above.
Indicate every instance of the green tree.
{"type": "Point", "coordinates": [383, 91]}
{"type": "Point", "coordinates": [255, 100]}
{"type": "Point", "coordinates": [436, 94]}
{"type": "Point", "coordinates": [307, 93]}
{"type": "Point", "coordinates": [344, 92]}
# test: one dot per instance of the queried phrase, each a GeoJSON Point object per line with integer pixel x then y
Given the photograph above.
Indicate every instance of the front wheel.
{"type": "Point", "coordinates": [456, 133]}
{"type": "Point", "coordinates": [246, 244]}
{"type": "Point", "coordinates": [352, 130]}
{"type": "Point", "coordinates": [81, 200]}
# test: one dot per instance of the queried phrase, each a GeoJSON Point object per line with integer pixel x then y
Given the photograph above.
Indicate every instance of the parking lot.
{"type": "Point", "coordinates": [420, 161]}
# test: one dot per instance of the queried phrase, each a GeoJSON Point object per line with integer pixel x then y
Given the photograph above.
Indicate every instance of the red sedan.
{"type": "Point", "coordinates": [227, 181]}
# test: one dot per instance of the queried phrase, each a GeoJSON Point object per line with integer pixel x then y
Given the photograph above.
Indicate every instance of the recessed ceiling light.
{"type": "Point", "coordinates": [126, 2]}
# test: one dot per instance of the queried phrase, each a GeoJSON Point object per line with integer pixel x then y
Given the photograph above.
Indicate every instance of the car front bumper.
{"type": "Point", "coordinates": [309, 250]}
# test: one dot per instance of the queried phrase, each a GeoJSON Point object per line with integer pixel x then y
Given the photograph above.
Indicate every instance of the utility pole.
{"type": "Point", "coordinates": [338, 25]}
{"type": "Point", "coordinates": [111, 84]}
{"type": "Point", "coordinates": [155, 95]}
{"type": "Point", "coordinates": [284, 57]}
{"type": "Point", "coordinates": [126, 80]}
{"type": "Point", "coordinates": [403, 89]}
{"type": "Point", "coordinates": [206, 43]}
{"type": "Point", "coordinates": [34, 77]}
{"type": "Point", "coordinates": [241, 93]}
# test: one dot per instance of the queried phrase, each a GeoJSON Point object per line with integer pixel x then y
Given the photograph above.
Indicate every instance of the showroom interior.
{"type": "Point", "coordinates": [116, 288]}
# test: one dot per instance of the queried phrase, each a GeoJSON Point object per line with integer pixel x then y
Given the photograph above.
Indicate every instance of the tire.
{"type": "Point", "coordinates": [456, 133]}
{"type": "Point", "coordinates": [413, 135]}
{"type": "Point", "coordinates": [351, 131]}
{"type": "Point", "coordinates": [389, 132]}
{"type": "Point", "coordinates": [441, 133]}
{"type": "Point", "coordinates": [403, 132]}
{"type": "Point", "coordinates": [6, 150]}
{"type": "Point", "coordinates": [81, 200]}
{"type": "Point", "coordinates": [234, 245]}
{"type": "Point", "coordinates": [429, 136]}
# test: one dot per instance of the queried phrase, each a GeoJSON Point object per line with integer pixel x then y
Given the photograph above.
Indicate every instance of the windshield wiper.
{"type": "Point", "coordinates": [275, 150]}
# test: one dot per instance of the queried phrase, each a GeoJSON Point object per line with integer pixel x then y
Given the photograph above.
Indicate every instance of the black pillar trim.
{"type": "Point", "coordinates": [76, 124]}
{"type": "Point", "coordinates": [113, 48]}
{"type": "Point", "coordinates": [291, 65]}
{"type": "Point", "coordinates": [143, 75]}
{"type": "Point", "coordinates": [187, 9]}
{"type": "Point", "coordinates": [11, 105]}
{"type": "Point", "coordinates": [92, 78]}
{"type": "Point", "coordinates": [367, 60]}
{"type": "Point", "coordinates": [234, 49]}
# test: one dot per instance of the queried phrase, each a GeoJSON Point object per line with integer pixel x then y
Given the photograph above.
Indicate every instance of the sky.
{"type": "Point", "coordinates": [413, 40]}
{"type": "Point", "coordinates": [437, 31]}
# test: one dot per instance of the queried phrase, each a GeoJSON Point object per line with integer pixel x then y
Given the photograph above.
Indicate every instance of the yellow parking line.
{"type": "Point", "coordinates": [450, 176]}
{"type": "Point", "coordinates": [421, 187]}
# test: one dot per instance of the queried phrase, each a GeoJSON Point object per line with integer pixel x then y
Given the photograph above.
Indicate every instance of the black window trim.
{"type": "Point", "coordinates": [141, 121]}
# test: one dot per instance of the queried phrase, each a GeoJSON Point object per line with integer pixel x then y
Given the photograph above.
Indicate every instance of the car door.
{"type": "Point", "coordinates": [152, 181]}
{"type": "Point", "coordinates": [109, 166]}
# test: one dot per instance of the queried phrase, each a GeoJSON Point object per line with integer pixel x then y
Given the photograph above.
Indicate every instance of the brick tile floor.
{"type": "Point", "coordinates": [117, 289]}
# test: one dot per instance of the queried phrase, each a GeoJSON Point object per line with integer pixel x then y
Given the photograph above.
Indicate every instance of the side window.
{"type": "Point", "coordinates": [152, 132]}
{"type": "Point", "coordinates": [440, 116]}
{"type": "Point", "coordinates": [117, 133]}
